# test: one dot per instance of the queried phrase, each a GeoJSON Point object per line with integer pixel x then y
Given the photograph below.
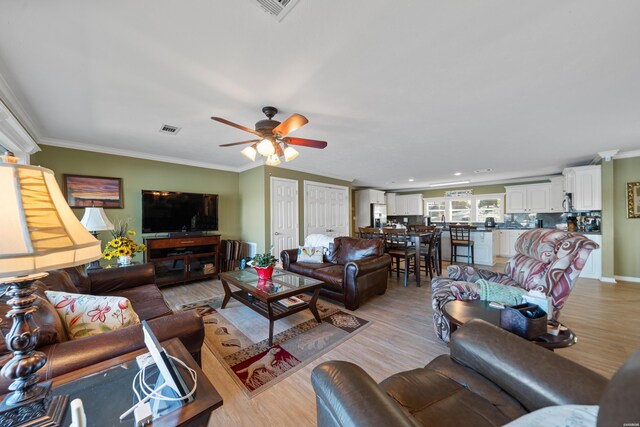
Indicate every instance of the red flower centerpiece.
{"type": "Point", "coordinates": [264, 263]}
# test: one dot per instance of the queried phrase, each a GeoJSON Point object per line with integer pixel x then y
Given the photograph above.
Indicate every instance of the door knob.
{"type": "Point", "coordinates": [276, 233]}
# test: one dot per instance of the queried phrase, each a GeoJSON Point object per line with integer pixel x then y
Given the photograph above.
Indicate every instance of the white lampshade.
{"type": "Point", "coordinates": [290, 153]}
{"type": "Point", "coordinates": [39, 230]}
{"type": "Point", "coordinates": [94, 219]}
{"type": "Point", "coordinates": [250, 152]}
{"type": "Point", "coordinates": [273, 160]}
{"type": "Point", "coordinates": [266, 147]}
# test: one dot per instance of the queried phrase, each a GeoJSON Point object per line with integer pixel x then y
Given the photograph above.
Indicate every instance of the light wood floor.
{"type": "Point", "coordinates": [604, 316]}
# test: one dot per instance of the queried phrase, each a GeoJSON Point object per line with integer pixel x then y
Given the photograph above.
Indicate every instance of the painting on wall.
{"type": "Point", "coordinates": [633, 200]}
{"type": "Point", "coordinates": [86, 191]}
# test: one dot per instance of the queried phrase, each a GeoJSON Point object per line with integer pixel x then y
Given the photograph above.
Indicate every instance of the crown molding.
{"type": "Point", "coordinates": [135, 154]}
{"type": "Point", "coordinates": [9, 104]}
{"type": "Point", "coordinates": [341, 178]}
{"type": "Point", "coordinates": [627, 154]}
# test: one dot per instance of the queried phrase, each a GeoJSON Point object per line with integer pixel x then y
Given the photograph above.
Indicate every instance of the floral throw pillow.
{"type": "Point", "coordinates": [86, 315]}
{"type": "Point", "coordinates": [312, 255]}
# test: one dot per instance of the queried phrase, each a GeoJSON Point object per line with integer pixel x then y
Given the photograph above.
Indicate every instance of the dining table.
{"type": "Point", "coordinates": [418, 237]}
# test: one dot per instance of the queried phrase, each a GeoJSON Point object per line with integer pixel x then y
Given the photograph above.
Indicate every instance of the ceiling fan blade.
{"type": "Point", "coordinates": [296, 121]}
{"type": "Point", "coordinates": [237, 126]}
{"type": "Point", "coordinates": [240, 143]}
{"type": "Point", "coordinates": [304, 142]}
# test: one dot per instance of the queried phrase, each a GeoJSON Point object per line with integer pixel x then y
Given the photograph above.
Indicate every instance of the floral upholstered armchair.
{"type": "Point", "coordinates": [546, 260]}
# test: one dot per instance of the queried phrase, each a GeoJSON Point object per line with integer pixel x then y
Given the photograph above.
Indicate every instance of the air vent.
{"type": "Point", "coordinates": [487, 170]}
{"type": "Point", "coordinates": [171, 130]}
{"type": "Point", "coordinates": [277, 8]}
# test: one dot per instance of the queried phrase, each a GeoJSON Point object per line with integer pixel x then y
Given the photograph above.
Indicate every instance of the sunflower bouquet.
{"type": "Point", "coordinates": [122, 243]}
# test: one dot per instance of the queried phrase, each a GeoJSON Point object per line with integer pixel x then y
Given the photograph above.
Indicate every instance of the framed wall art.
{"type": "Point", "coordinates": [633, 200]}
{"type": "Point", "coordinates": [85, 191]}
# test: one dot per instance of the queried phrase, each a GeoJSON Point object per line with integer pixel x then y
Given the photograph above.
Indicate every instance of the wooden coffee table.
{"type": "Point", "coordinates": [262, 296]}
{"type": "Point", "coordinates": [460, 312]}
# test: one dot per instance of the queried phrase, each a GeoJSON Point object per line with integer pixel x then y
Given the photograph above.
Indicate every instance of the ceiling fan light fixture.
{"type": "Point", "coordinates": [273, 160]}
{"type": "Point", "coordinates": [266, 148]}
{"type": "Point", "coordinates": [250, 152]}
{"type": "Point", "coordinates": [290, 153]}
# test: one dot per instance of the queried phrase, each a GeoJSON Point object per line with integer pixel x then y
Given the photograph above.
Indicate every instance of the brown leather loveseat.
{"type": "Point", "coordinates": [491, 378]}
{"type": "Point", "coordinates": [354, 270]}
{"type": "Point", "coordinates": [136, 283]}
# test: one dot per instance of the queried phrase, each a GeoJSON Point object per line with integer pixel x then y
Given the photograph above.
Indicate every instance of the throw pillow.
{"type": "Point", "coordinates": [86, 315]}
{"type": "Point", "coordinates": [311, 255]}
{"type": "Point", "coordinates": [559, 416]}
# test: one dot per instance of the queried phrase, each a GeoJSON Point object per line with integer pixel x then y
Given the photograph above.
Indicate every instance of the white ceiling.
{"type": "Point", "coordinates": [400, 90]}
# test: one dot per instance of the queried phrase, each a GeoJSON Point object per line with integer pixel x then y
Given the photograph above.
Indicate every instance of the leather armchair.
{"type": "Point", "coordinates": [353, 271]}
{"type": "Point", "coordinates": [546, 260]}
{"type": "Point", "coordinates": [490, 378]}
{"type": "Point", "coordinates": [135, 283]}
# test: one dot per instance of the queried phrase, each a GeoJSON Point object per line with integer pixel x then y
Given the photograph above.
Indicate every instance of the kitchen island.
{"type": "Point", "coordinates": [486, 246]}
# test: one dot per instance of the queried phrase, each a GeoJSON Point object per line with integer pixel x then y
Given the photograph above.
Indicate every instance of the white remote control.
{"type": "Point", "coordinates": [495, 304]}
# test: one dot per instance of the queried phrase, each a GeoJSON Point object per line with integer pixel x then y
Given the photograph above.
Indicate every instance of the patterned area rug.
{"type": "Point", "coordinates": [238, 337]}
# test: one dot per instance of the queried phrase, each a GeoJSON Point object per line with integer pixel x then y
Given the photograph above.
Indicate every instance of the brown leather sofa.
{"type": "Point", "coordinates": [353, 271]}
{"type": "Point", "coordinates": [490, 378]}
{"type": "Point", "coordinates": [136, 283]}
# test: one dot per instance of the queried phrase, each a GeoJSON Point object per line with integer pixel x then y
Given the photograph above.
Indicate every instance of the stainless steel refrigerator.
{"type": "Point", "coordinates": [378, 215]}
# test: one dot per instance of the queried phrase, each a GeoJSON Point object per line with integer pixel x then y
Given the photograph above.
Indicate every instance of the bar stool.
{"type": "Point", "coordinates": [461, 237]}
{"type": "Point", "coordinates": [399, 247]}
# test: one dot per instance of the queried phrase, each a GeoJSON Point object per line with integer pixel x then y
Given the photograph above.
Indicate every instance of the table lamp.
{"type": "Point", "coordinates": [95, 220]}
{"type": "Point", "coordinates": [39, 233]}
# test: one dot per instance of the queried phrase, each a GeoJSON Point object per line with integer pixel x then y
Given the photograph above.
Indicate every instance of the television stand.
{"type": "Point", "coordinates": [179, 234]}
{"type": "Point", "coordinates": [183, 259]}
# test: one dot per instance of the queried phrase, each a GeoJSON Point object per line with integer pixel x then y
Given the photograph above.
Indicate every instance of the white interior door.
{"type": "Point", "coordinates": [284, 215]}
{"type": "Point", "coordinates": [326, 209]}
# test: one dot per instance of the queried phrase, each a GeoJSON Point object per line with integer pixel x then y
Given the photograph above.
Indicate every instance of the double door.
{"type": "Point", "coordinates": [326, 209]}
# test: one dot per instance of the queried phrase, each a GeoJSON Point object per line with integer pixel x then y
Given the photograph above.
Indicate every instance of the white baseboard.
{"type": "Point", "coordinates": [628, 279]}
{"type": "Point", "coordinates": [608, 280]}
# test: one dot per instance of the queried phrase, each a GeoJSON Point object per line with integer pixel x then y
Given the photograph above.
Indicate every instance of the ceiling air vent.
{"type": "Point", "coordinates": [171, 130]}
{"type": "Point", "coordinates": [277, 8]}
{"type": "Point", "coordinates": [487, 170]}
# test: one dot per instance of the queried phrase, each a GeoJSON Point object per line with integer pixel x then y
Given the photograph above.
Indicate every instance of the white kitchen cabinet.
{"type": "Point", "coordinates": [556, 194]}
{"type": "Point", "coordinates": [504, 236]}
{"type": "Point", "coordinates": [585, 185]}
{"type": "Point", "coordinates": [593, 267]}
{"type": "Point", "coordinates": [533, 198]}
{"type": "Point", "coordinates": [408, 204]}
{"type": "Point", "coordinates": [483, 248]}
{"type": "Point", "coordinates": [391, 203]}
{"type": "Point", "coordinates": [513, 237]}
{"type": "Point", "coordinates": [364, 199]}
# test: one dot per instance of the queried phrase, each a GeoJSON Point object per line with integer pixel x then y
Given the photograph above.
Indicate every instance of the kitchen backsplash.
{"type": "Point", "coordinates": [516, 220]}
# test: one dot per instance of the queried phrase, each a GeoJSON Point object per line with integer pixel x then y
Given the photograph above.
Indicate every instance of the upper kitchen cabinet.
{"type": "Point", "coordinates": [585, 185]}
{"type": "Point", "coordinates": [533, 198]}
{"type": "Point", "coordinates": [371, 196]}
{"type": "Point", "coordinates": [556, 194]}
{"type": "Point", "coordinates": [408, 204]}
{"type": "Point", "coordinates": [390, 198]}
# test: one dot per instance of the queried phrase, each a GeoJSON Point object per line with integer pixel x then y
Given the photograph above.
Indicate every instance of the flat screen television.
{"type": "Point", "coordinates": [169, 211]}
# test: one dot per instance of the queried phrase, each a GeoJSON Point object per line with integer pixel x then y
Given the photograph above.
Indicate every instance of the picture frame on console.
{"type": "Point", "coordinates": [83, 191]}
{"type": "Point", "coordinates": [633, 200]}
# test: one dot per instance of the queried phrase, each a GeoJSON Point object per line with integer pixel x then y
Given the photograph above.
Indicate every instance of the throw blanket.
{"type": "Point", "coordinates": [315, 240]}
{"type": "Point", "coordinates": [492, 291]}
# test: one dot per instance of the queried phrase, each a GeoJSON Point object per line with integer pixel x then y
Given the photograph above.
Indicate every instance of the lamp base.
{"type": "Point", "coordinates": [43, 410]}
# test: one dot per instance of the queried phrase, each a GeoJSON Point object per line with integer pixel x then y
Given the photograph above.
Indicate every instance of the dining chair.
{"type": "Point", "coordinates": [431, 257]}
{"type": "Point", "coordinates": [399, 246]}
{"type": "Point", "coordinates": [461, 237]}
{"type": "Point", "coordinates": [369, 233]}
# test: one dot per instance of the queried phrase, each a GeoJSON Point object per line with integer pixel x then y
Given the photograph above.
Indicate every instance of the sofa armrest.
{"type": "Point", "coordinates": [75, 354]}
{"type": "Point", "coordinates": [534, 376]}
{"type": "Point", "coordinates": [466, 273]}
{"type": "Point", "coordinates": [288, 256]}
{"type": "Point", "coordinates": [367, 265]}
{"type": "Point", "coordinates": [347, 396]}
{"type": "Point", "coordinates": [114, 279]}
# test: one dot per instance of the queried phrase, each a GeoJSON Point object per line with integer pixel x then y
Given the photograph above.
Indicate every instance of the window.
{"type": "Point", "coordinates": [466, 209]}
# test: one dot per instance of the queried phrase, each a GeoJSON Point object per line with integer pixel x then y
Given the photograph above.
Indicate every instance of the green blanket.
{"type": "Point", "coordinates": [492, 291]}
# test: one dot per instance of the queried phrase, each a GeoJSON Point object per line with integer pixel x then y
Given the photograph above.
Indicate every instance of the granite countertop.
{"type": "Point", "coordinates": [483, 229]}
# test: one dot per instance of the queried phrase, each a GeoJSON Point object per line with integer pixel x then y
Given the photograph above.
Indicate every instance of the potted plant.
{"type": "Point", "coordinates": [122, 245]}
{"type": "Point", "coordinates": [264, 263]}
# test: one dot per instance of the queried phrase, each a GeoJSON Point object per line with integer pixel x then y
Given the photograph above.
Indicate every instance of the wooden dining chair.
{"type": "Point", "coordinates": [431, 255]}
{"type": "Point", "coordinates": [369, 233]}
{"type": "Point", "coordinates": [399, 246]}
{"type": "Point", "coordinates": [461, 237]}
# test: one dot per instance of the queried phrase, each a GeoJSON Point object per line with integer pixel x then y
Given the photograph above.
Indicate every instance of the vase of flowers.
{"type": "Point", "coordinates": [122, 246]}
{"type": "Point", "coordinates": [264, 263]}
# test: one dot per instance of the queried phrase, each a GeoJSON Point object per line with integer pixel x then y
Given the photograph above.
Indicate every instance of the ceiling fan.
{"type": "Point", "coordinates": [273, 141]}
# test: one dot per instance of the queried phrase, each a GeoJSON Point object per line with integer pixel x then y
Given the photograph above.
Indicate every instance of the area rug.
{"type": "Point", "coordinates": [239, 338]}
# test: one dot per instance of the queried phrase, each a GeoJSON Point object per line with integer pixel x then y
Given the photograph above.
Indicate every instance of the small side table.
{"type": "Point", "coordinates": [460, 312]}
{"type": "Point", "coordinates": [105, 390]}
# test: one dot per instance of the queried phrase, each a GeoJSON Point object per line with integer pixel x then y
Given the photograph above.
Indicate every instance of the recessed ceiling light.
{"type": "Point", "coordinates": [458, 173]}
{"type": "Point", "coordinates": [483, 170]}
{"type": "Point", "coordinates": [410, 179]}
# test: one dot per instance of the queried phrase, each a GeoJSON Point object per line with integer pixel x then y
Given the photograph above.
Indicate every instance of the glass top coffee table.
{"type": "Point", "coordinates": [268, 297]}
